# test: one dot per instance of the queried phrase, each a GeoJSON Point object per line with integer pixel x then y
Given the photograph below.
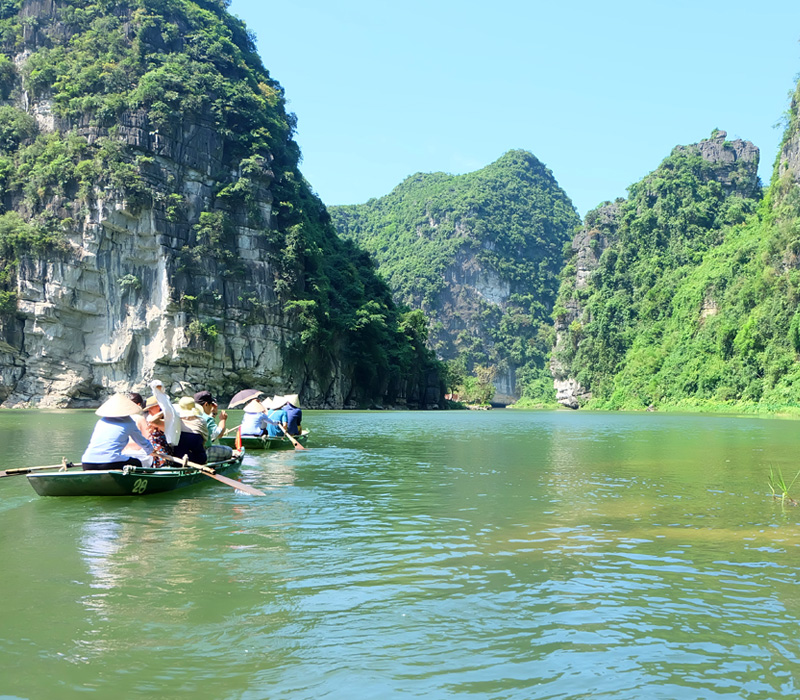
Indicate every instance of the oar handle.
{"type": "Point", "coordinates": [25, 470]}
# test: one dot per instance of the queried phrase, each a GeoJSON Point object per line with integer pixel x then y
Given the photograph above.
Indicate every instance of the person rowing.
{"type": "Point", "coordinates": [294, 415]}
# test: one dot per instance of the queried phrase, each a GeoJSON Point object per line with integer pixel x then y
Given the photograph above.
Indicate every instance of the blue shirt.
{"type": "Point", "coordinates": [294, 418]}
{"type": "Point", "coordinates": [109, 439]}
{"type": "Point", "coordinates": [276, 416]}
{"type": "Point", "coordinates": [253, 423]}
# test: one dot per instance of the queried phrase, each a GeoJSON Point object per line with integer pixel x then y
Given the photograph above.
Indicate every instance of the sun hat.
{"type": "Point", "coordinates": [293, 399]}
{"type": "Point", "coordinates": [118, 406]}
{"type": "Point", "coordinates": [187, 407]}
{"type": "Point", "coordinates": [150, 403]}
{"type": "Point", "coordinates": [255, 406]}
{"type": "Point", "coordinates": [278, 402]}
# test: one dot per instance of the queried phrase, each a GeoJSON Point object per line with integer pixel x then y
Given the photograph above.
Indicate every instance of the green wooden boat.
{"type": "Point", "coordinates": [130, 481]}
{"type": "Point", "coordinates": [253, 442]}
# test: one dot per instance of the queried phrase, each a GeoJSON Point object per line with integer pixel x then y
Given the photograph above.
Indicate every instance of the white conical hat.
{"type": "Point", "coordinates": [254, 406]}
{"type": "Point", "coordinates": [118, 406]}
{"type": "Point", "coordinates": [293, 399]}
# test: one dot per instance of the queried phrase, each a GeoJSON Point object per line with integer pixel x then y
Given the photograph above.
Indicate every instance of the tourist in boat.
{"type": "Point", "coordinates": [276, 417]}
{"type": "Point", "coordinates": [194, 432]}
{"type": "Point", "coordinates": [208, 404]}
{"type": "Point", "coordinates": [111, 435]}
{"type": "Point", "coordinates": [254, 421]}
{"type": "Point", "coordinates": [155, 425]}
{"type": "Point", "coordinates": [294, 416]}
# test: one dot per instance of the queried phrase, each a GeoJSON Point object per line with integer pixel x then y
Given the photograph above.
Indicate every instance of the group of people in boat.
{"type": "Point", "coordinates": [273, 417]}
{"type": "Point", "coordinates": [132, 431]}
{"type": "Point", "coordinates": [155, 432]}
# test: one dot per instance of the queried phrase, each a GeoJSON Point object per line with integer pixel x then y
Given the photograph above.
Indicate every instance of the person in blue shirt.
{"type": "Point", "coordinates": [254, 421]}
{"type": "Point", "coordinates": [276, 417]}
{"type": "Point", "coordinates": [112, 433]}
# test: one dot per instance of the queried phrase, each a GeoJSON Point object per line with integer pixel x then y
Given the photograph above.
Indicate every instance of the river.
{"type": "Point", "coordinates": [491, 555]}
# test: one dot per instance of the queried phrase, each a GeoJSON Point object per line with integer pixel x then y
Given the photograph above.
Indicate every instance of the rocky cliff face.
{"type": "Point", "coordinates": [172, 267]}
{"type": "Point", "coordinates": [788, 163]}
{"type": "Point", "coordinates": [599, 232]}
{"type": "Point", "coordinates": [733, 163]}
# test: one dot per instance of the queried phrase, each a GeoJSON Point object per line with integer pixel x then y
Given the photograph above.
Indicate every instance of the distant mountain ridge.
{"type": "Point", "coordinates": [479, 254]}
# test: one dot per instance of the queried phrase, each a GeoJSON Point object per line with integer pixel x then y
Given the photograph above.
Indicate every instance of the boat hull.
{"type": "Point", "coordinates": [251, 442]}
{"type": "Point", "coordinates": [118, 482]}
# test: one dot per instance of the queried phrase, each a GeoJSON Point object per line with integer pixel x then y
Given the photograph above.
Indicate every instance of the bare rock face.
{"type": "Point", "coordinates": [470, 286]}
{"type": "Point", "coordinates": [789, 159]}
{"type": "Point", "coordinates": [735, 163]}
{"type": "Point", "coordinates": [116, 310]}
{"type": "Point", "coordinates": [589, 243]}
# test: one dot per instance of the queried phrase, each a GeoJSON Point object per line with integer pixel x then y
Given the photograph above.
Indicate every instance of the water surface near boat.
{"type": "Point", "coordinates": [462, 554]}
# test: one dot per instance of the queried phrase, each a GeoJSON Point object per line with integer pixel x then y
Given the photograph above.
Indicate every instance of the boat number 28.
{"type": "Point", "coordinates": [139, 486]}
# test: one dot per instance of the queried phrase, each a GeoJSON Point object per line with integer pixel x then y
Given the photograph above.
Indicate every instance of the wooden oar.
{"type": "Point", "coordinates": [26, 470]}
{"type": "Point", "coordinates": [219, 477]}
{"type": "Point", "coordinates": [296, 444]}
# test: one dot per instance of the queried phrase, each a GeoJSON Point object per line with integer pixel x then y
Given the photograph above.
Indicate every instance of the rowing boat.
{"type": "Point", "coordinates": [262, 442]}
{"type": "Point", "coordinates": [129, 481]}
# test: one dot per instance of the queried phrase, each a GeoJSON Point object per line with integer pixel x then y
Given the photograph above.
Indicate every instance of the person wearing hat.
{"type": "Point", "coordinates": [208, 404]}
{"type": "Point", "coordinates": [194, 432]}
{"type": "Point", "coordinates": [254, 421]}
{"type": "Point", "coordinates": [155, 424]}
{"type": "Point", "coordinates": [111, 435]}
{"type": "Point", "coordinates": [294, 416]}
{"type": "Point", "coordinates": [276, 417]}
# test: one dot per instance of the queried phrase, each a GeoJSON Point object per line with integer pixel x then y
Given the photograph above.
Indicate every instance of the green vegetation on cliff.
{"type": "Point", "coordinates": [113, 73]}
{"type": "Point", "coordinates": [479, 254]}
{"type": "Point", "coordinates": [694, 300]}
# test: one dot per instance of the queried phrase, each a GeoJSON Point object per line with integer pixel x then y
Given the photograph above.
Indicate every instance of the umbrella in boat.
{"type": "Point", "coordinates": [244, 396]}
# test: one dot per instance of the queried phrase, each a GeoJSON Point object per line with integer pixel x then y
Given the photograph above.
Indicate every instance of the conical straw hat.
{"type": "Point", "coordinates": [254, 407]}
{"type": "Point", "coordinates": [118, 406]}
{"type": "Point", "coordinates": [275, 402]}
{"type": "Point", "coordinates": [293, 399]}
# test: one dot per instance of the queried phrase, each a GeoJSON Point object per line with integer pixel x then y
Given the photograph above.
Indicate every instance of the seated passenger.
{"type": "Point", "coordinates": [294, 416]}
{"type": "Point", "coordinates": [208, 405]}
{"type": "Point", "coordinates": [276, 417]}
{"type": "Point", "coordinates": [111, 435]}
{"type": "Point", "coordinates": [155, 424]}
{"type": "Point", "coordinates": [194, 432]}
{"type": "Point", "coordinates": [254, 421]}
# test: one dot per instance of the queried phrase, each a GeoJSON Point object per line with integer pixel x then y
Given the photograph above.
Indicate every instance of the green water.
{"type": "Point", "coordinates": [416, 555]}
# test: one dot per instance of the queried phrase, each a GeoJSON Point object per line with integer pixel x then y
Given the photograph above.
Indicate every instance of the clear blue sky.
{"type": "Point", "coordinates": [598, 91]}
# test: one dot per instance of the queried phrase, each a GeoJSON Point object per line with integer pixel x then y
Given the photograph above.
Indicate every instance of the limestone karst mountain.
{"type": "Point", "coordinates": [479, 254]}
{"type": "Point", "coordinates": [683, 291]}
{"type": "Point", "coordinates": [154, 221]}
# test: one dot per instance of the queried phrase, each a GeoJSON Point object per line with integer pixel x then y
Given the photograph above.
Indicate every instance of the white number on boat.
{"type": "Point", "coordinates": [139, 486]}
